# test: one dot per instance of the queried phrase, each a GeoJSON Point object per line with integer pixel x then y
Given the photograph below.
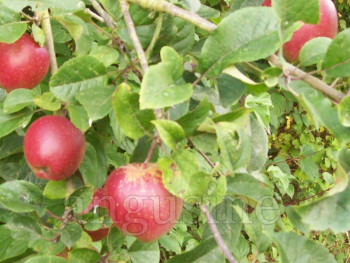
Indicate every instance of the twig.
{"type": "Point", "coordinates": [294, 202]}
{"type": "Point", "coordinates": [217, 236]}
{"type": "Point", "coordinates": [151, 150]}
{"type": "Point", "coordinates": [164, 6]}
{"type": "Point", "coordinates": [96, 16]}
{"type": "Point", "coordinates": [46, 25]}
{"type": "Point", "coordinates": [311, 80]}
{"type": "Point", "coordinates": [155, 36]}
{"type": "Point", "coordinates": [53, 215]}
{"type": "Point", "coordinates": [106, 17]}
{"type": "Point", "coordinates": [133, 35]}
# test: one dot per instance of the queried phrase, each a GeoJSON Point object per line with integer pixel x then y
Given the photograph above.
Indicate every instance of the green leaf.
{"type": "Point", "coordinates": [336, 62]}
{"type": "Point", "coordinates": [191, 120]}
{"type": "Point", "coordinates": [230, 89]}
{"type": "Point", "coordinates": [20, 196]}
{"type": "Point", "coordinates": [310, 168]}
{"type": "Point", "coordinates": [83, 255]}
{"type": "Point", "coordinates": [141, 150]}
{"type": "Point", "coordinates": [140, 251]}
{"type": "Point", "coordinates": [78, 117]}
{"type": "Point", "coordinates": [246, 35]}
{"type": "Point", "coordinates": [11, 32]}
{"type": "Point", "coordinates": [55, 189]}
{"type": "Point", "coordinates": [234, 143]}
{"type": "Point", "coordinates": [95, 163]}
{"type": "Point", "coordinates": [39, 35]}
{"type": "Point", "coordinates": [133, 121]}
{"type": "Point", "coordinates": [159, 88]}
{"type": "Point", "coordinates": [320, 110]}
{"type": "Point", "coordinates": [170, 132]}
{"type": "Point", "coordinates": [46, 259]}
{"type": "Point", "coordinates": [281, 180]}
{"type": "Point", "coordinates": [96, 100]}
{"type": "Point", "coordinates": [228, 223]}
{"type": "Point", "coordinates": [10, 122]}
{"type": "Point", "coordinates": [76, 75]}
{"type": "Point", "coordinates": [7, 15]}
{"type": "Point", "coordinates": [11, 145]}
{"type": "Point", "coordinates": [17, 100]}
{"type": "Point", "coordinates": [314, 51]}
{"type": "Point", "coordinates": [71, 234]}
{"type": "Point", "coordinates": [115, 239]}
{"type": "Point", "coordinates": [80, 199]}
{"type": "Point", "coordinates": [191, 5]}
{"type": "Point", "coordinates": [67, 6]}
{"type": "Point", "coordinates": [9, 246]}
{"type": "Point", "coordinates": [260, 105]}
{"type": "Point", "coordinates": [259, 145]}
{"type": "Point", "coordinates": [104, 54]}
{"type": "Point", "coordinates": [298, 249]}
{"type": "Point", "coordinates": [206, 251]}
{"type": "Point", "coordinates": [344, 111]}
{"type": "Point", "coordinates": [47, 101]}
{"type": "Point", "coordinates": [25, 227]}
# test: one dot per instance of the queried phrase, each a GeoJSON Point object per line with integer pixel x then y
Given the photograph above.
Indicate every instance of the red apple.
{"type": "Point", "coordinates": [99, 234]}
{"type": "Point", "coordinates": [139, 204]}
{"type": "Point", "coordinates": [54, 147]}
{"type": "Point", "coordinates": [23, 64]}
{"type": "Point", "coordinates": [326, 27]}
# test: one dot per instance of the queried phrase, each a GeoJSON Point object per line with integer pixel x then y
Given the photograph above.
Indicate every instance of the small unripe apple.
{"type": "Point", "coordinates": [139, 204]}
{"type": "Point", "coordinates": [54, 148]}
{"type": "Point", "coordinates": [326, 27]}
{"type": "Point", "coordinates": [23, 64]}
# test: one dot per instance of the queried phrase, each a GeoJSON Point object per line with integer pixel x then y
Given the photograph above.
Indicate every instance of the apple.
{"type": "Point", "coordinates": [326, 27]}
{"type": "Point", "coordinates": [23, 64]}
{"type": "Point", "coordinates": [54, 148]}
{"type": "Point", "coordinates": [99, 234]}
{"type": "Point", "coordinates": [139, 204]}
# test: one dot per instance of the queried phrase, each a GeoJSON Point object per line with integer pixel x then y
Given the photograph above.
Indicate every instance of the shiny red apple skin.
{"type": "Point", "coordinates": [23, 64]}
{"type": "Point", "coordinates": [326, 27]}
{"type": "Point", "coordinates": [54, 148]}
{"type": "Point", "coordinates": [139, 204]}
{"type": "Point", "coordinates": [99, 234]}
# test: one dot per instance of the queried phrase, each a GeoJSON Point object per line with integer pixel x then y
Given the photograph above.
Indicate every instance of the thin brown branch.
{"type": "Point", "coordinates": [297, 202]}
{"type": "Point", "coordinates": [133, 35]}
{"type": "Point", "coordinates": [106, 17]}
{"type": "Point", "coordinates": [311, 80]}
{"type": "Point", "coordinates": [46, 25]}
{"type": "Point", "coordinates": [217, 235]}
{"type": "Point", "coordinates": [94, 15]}
{"type": "Point", "coordinates": [151, 150]}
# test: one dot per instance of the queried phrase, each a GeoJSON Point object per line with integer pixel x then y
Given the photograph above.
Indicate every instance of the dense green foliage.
{"type": "Point", "coordinates": [264, 150]}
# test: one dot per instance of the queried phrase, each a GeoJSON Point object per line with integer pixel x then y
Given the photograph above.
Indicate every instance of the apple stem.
{"type": "Point", "coordinates": [46, 25]}
{"type": "Point", "coordinates": [217, 235]}
{"type": "Point", "coordinates": [167, 7]}
{"type": "Point", "coordinates": [124, 5]}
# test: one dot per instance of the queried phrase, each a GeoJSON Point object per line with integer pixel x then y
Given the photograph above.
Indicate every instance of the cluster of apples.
{"type": "Point", "coordinates": [327, 27]}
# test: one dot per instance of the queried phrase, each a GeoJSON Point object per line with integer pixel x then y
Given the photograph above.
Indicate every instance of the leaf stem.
{"type": "Point", "coordinates": [155, 36]}
{"type": "Point", "coordinates": [46, 25]}
{"type": "Point", "coordinates": [106, 17]}
{"type": "Point", "coordinates": [94, 15]}
{"type": "Point", "coordinates": [217, 235]}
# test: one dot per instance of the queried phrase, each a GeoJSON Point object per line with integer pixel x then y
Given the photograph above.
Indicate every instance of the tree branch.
{"type": "Point", "coordinates": [217, 236]}
{"type": "Point", "coordinates": [96, 16]}
{"type": "Point", "coordinates": [46, 25]}
{"type": "Point", "coordinates": [133, 35]}
{"type": "Point", "coordinates": [106, 17]}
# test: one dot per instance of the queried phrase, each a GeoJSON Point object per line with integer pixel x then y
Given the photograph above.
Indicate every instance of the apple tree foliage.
{"type": "Point", "coordinates": [252, 139]}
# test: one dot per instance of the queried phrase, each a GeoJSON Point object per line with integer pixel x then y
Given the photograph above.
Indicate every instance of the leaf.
{"type": "Point", "coordinates": [260, 105]}
{"type": "Point", "coordinates": [20, 196]}
{"type": "Point", "coordinates": [159, 88]}
{"type": "Point", "coordinates": [191, 5]}
{"type": "Point", "coordinates": [337, 59]}
{"type": "Point", "coordinates": [78, 117]}
{"type": "Point", "coordinates": [298, 249]}
{"type": "Point", "coordinates": [24, 227]}
{"type": "Point", "coordinates": [228, 223]}
{"type": "Point", "coordinates": [191, 120]}
{"type": "Point", "coordinates": [10, 122]}
{"type": "Point", "coordinates": [55, 189]}
{"type": "Point", "coordinates": [310, 168]}
{"type": "Point", "coordinates": [314, 51]}
{"type": "Point", "coordinates": [133, 121]}
{"type": "Point", "coordinates": [259, 146]}
{"type": "Point", "coordinates": [80, 199]}
{"type": "Point", "coordinates": [140, 251]}
{"type": "Point", "coordinates": [46, 259]}
{"type": "Point", "coordinates": [230, 89]}
{"type": "Point", "coordinates": [76, 75]}
{"type": "Point", "coordinates": [11, 145]}
{"type": "Point", "coordinates": [246, 35]}
{"type": "Point", "coordinates": [141, 150]}
{"type": "Point", "coordinates": [282, 180]}
{"type": "Point", "coordinates": [344, 111]}
{"type": "Point", "coordinates": [104, 54]}
{"type": "Point", "coordinates": [320, 110]}
{"type": "Point", "coordinates": [234, 143]}
{"type": "Point", "coordinates": [96, 100]}
{"type": "Point", "coordinates": [11, 32]}
{"type": "Point", "coordinates": [39, 35]}
{"type": "Point", "coordinates": [7, 15]}
{"type": "Point", "coordinates": [67, 6]}
{"type": "Point", "coordinates": [83, 255]}
{"type": "Point", "coordinates": [47, 101]}
{"type": "Point", "coordinates": [206, 251]}
{"type": "Point", "coordinates": [10, 247]}
{"type": "Point", "coordinates": [170, 132]}
{"type": "Point", "coordinates": [115, 239]}
{"type": "Point", "coordinates": [17, 100]}
{"type": "Point", "coordinates": [71, 234]}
